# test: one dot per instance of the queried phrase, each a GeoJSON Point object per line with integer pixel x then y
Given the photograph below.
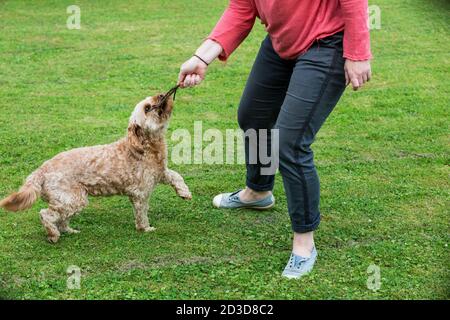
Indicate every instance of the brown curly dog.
{"type": "Point", "coordinates": [132, 166]}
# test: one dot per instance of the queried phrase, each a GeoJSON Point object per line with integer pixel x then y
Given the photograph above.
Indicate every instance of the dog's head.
{"type": "Point", "coordinates": [149, 121]}
{"type": "Point", "coordinates": [152, 114]}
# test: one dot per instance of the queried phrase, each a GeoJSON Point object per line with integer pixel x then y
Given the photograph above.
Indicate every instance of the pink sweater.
{"type": "Point", "coordinates": [294, 25]}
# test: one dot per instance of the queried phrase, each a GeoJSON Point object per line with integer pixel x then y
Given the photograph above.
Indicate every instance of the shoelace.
{"type": "Point", "coordinates": [235, 195]}
{"type": "Point", "coordinates": [292, 262]}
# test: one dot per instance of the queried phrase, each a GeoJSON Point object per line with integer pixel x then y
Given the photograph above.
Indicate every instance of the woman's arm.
{"type": "Point", "coordinates": [356, 33]}
{"type": "Point", "coordinates": [356, 42]}
{"type": "Point", "coordinates": [232, 28]}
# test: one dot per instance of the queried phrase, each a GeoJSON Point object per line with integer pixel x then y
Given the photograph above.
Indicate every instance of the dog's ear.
{"type": "Point", "coordinates": [136, 138]}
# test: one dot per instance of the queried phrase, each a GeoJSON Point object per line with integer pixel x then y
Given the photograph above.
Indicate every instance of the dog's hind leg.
{"type": "Point", "coordinates": [73, 204]}
{"type": "Point", "coordinates": [174, 179]}
{"type": "Point", "coordinates": [62, 206]}
{"type": "Point", "coordinates": [140, 206]}
{"type": "Point", "coordinates": [63, 226]}
{"type": "Point", "coordinates": [50, 220]}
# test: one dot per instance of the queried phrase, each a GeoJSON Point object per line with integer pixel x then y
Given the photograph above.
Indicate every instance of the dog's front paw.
{"type": "Point", "coordinates": [146, 229]}
{"type": "Point", "coordinates": [53, 239]}
{"type": "Point", "coordinates": [71, 231]}
{"type": "Point", "coordinates": [185, 194]}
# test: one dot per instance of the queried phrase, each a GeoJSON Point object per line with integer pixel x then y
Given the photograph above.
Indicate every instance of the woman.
{"type": "Point", "coordinates": [313, 50]}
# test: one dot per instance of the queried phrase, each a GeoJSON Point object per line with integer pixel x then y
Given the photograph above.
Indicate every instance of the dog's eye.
{"type": "Point", "coordinates": [148, 108]}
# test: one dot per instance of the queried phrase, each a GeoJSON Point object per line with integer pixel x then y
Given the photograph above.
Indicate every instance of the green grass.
{"type": "Point", "coordinates": [382, 156]}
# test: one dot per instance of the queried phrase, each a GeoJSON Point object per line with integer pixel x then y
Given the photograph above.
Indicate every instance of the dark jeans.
{"type": "Point", "coordinates": [295, 97]}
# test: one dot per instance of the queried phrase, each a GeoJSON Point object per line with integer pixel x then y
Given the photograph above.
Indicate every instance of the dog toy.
{"type": "Point", "coordinates": [167, 95]}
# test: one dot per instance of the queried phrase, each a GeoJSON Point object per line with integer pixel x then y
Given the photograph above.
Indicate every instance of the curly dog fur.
{"type": "Point", "coordinates": [132, 166]}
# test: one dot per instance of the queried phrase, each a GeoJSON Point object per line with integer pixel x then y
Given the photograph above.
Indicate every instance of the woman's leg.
{"type": "Point", "coordinates": [316, 85]}
{"type": "Point", "coordinates": [259, 107]}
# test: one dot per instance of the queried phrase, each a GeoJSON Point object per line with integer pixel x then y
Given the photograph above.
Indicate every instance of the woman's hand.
{"type": "Point", "coordinates": [357, 73]}
{"type": "Point", "coordinates": [192, 72]}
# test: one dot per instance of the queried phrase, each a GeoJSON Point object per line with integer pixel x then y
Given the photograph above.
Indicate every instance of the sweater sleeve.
{"type": "Point", "coordinates": [356, 32]}
{"type": "Point", "coordinates": [234, 26]}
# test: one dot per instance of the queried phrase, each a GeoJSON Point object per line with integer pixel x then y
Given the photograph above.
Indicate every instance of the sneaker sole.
{"type": "Point", "coordinates": [245, 207]}
{"type": "Point", "coordinates": [295, 277]}
{"type": "Point", "coordinates": [262, 208]}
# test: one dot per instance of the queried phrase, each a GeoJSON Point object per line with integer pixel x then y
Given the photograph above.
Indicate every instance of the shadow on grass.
{"type": "Point", "coordinates": [441, 4]}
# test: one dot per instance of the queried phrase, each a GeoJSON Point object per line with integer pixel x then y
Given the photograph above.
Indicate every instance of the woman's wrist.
{"type": "Point", "coordinates": [208, 51]}
{"type": "Point", "coordinates": [195, 56]}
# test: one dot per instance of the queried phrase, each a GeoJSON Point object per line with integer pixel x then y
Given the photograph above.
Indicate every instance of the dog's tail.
{"type": "Point", "coordinates": [26, 196]}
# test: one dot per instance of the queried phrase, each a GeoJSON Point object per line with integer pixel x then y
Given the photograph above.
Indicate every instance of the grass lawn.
{"type": "Point", "coordinates": [382, 156]}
